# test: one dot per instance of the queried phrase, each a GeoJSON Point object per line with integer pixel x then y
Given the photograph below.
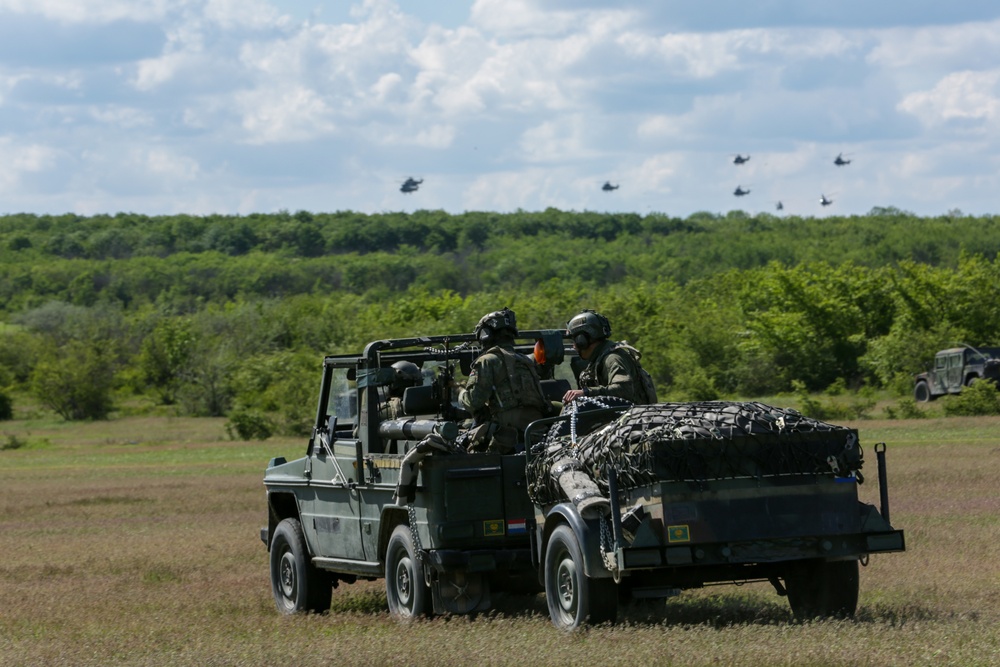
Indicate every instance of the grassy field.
{"type": "Point", "coordinates": [135, 542]}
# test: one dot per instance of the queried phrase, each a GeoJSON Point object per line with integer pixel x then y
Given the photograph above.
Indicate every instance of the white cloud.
{"type": "Point", "coordinates": [521, 18]}
{"type": "Point", "coordinates": [960, 96]}
{"type": "Point", "coordinates": [162, 162]}
{"type": "Point", "coordinates": [706, 55]}
{"type": "Point", "coordinates": [561, 140]}
{"type": "Point", "coordinates": [154, 72]}
{"type": "Point", "coordinates": [438, 136]}
{"type": "Point", "coordinates": [276, 116]}
{"type": "Point", "coordinates": [232, 14]}
{"type": "Point", "coordinates": [20, 159]}
{"type": "Point", "coordinates": [936, 47]}
{"type": "Point", "coordinates": [121, 116]}
{"type": "Point", "coordinates": [92, 11]}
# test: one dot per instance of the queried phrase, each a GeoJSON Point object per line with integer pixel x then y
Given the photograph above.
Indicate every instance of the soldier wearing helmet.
{"type": "Point", "coordinates": [406, 374]}
{"type": "Point", "coordinates": [503, 391]}
{"type": "Point", "coordinates": [612, 368]}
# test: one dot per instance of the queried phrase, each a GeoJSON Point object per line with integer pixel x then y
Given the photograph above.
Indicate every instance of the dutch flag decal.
{"type": "Point", "coordinates": [517, 527]}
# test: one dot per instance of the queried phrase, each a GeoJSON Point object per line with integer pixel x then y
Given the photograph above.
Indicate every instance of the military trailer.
{"type": "Point", "coordinates": [956, 368]}
{"type": "Point", "coordinates": [605, 502]}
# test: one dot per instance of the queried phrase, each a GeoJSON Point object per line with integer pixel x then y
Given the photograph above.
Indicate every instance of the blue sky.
{"type": "Point", "coordinates": [242, 106]}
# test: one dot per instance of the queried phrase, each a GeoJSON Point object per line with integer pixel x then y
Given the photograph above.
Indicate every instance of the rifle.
{"type": "Point", "coordinates": [443, 384]}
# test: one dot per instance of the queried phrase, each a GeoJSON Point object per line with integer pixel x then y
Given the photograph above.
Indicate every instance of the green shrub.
{"type": "Point", "coordinates": [13, 442]}
{"type": "Point", "coordinates": [979, 398]}
{"type": "Point", "coordinates": [906, 408]}
{"type": "Point", "coordinates": [249, 425]}
{"type": "Point", "coordinates": [75, 380]}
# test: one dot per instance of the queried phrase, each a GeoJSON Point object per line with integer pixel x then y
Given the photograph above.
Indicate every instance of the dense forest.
{"type": "Point", "coordinates": [229, 315]}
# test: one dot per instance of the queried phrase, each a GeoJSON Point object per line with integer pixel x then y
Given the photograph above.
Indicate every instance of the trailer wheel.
{"type": "Point", "coordinates": [922, 392]}
{"type": "Point", "coordinates": [573, 598]}
{"type": "Point", "coordinates": [297, 584]}
{"type": "Point", "coordinates": [405, 589]}
{"type": "Point", "coordinates": [821, 589]}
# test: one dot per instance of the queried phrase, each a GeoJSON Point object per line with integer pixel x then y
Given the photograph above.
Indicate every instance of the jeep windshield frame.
{"type": "Point", "coordinates": [352, 381]}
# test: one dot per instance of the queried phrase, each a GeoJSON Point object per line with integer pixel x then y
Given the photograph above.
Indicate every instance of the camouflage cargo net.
{"type": "Point", "coordinates": [688, 442]}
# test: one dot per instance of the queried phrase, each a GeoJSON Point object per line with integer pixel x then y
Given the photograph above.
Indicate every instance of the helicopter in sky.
{"type": "Point", "coordinates": [739, 191]}
{"type": "Point", "coordinates": [607, 187]}
{"type": "Point", "coordinates": [410, 185]}
{"type": "Point", "coordinates": [824, 200]}
{"type": "Point", "coordinates": [779, 206]}
{"type": "Point", "coordinates": [740, 159]}
{"type": "Point", "coordinates": [840, 161]}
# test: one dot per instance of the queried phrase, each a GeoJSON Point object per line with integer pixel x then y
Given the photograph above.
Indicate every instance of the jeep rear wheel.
{"type": "Point", "coordinates": [822, 589]}
{"type": "Point", "coordinates": [297, 584]}
{"type": "Point", "coordinates": [405, 590]}
{"type": "Point", "coordinates": [922, 392]}
{"type": "Point", "coordinates": [573, 598]}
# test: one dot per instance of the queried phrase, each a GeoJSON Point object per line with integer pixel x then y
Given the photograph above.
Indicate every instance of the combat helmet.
{"type": "Point", "coordinates": [588, 326]}
{"type": "Point", "coordinates": [407, 374]}
{"type": "Point", "coordinates": [495, 322]}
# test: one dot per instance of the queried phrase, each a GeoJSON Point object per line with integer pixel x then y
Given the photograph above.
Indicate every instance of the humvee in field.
{"type": "Point", "coordinates": [956, 368]}
{"type": "Point", "coordinates": [605, 502]}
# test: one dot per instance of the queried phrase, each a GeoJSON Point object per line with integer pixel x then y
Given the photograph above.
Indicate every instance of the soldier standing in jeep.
{"type": "Point", "coordinates": [503, 391]}
{"type": "Point", "coordinates": [612, 368]}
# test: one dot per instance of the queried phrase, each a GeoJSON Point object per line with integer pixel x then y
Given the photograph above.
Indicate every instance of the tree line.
{"type": "Point", "coordinates": [721, 306]}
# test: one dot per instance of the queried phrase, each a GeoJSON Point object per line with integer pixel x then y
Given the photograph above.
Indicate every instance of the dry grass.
{"type": "Point", "coordinates": [135, 542]}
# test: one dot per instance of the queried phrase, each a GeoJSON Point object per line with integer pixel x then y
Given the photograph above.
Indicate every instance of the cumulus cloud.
{"type": "Point", "coordinates": [91, 11]}
{"type": "Point", "coordinates": [290, 115]}
{"type": "Point", "coordinates": [960, 96]}
{"type": "Point", "coordinates": [514, 103]}
{"type": "Point", "coordinates": [21, 159]}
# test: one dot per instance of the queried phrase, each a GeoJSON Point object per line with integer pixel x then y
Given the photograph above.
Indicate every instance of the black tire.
{"type": "Point", "coordinates": [821, 589]}
{"type": "Point", "coordinates": [405, 589]}
{"type": "Point", "coordinates": [922, 392]}
{"type": "Point", "coordinates": [573, 598]}
{"type": "Point", "coordinates": [297, 584]}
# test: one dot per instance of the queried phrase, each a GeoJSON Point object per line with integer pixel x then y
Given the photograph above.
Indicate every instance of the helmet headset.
{"type": "Point", "coordinates": [493, 323]}
{"type": "Point", "coordinates": [586, 327]}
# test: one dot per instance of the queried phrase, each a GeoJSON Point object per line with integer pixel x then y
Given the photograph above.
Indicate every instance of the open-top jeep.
{"type": "Point", "coordinates": [605, 502]}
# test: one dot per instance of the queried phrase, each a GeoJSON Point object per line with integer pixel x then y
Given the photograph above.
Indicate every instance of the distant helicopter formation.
{"type": "Point", "coordinates": [824, 201]}
{"type": "Point", "coordinates": [411, 184]}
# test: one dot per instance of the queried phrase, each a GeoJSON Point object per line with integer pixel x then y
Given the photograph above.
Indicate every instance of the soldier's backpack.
{"type": "Point", "coordinates": [645, 379]}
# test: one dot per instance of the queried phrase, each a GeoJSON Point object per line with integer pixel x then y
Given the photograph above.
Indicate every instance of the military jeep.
{"type": "Point", "coordinates": [956, 368]}
{"type": "Point", "coordinates": [605, 502]}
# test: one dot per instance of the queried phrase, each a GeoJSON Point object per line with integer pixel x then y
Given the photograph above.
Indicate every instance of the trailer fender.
{"type": "Point", "coordinates": [588, 534]}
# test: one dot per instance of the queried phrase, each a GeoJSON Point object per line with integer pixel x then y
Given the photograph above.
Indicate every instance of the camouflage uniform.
{"type": "Point", "coordinates": [612, 370]}
{"type": "Point", "coordinates": [504, 389]}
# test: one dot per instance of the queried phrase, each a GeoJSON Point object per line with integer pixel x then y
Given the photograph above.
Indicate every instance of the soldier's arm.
{"type": "Point", "coordinates": [478, 388]}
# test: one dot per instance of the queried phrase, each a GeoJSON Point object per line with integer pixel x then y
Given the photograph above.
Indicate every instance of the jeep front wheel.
{"type": "Point", "coordinates": [297, 584]}
{"type": "Point", "coordinates": [921, 392]}
{"type": "Point", "coordinates": [405, 589]}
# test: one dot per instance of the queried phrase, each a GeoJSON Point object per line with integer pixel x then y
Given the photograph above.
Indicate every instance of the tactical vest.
{"type": "Point", "coordinates": [645, 385]}
{"type": "Point", "coordinates": [519, 400]}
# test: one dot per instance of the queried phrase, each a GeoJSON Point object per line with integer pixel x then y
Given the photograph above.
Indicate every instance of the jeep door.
{"type": "Point", "coordinates": [954, 377]}
{"type": "Point", "coordinates": [330, 510]}
{"type": "Point", "coordinates": [333, 510]}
